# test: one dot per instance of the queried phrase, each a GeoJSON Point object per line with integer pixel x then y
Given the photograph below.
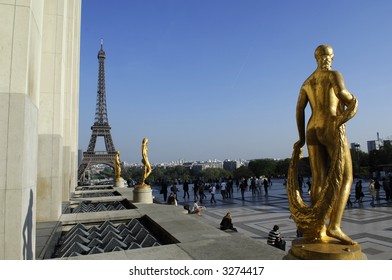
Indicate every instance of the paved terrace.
{"type": "Point", "coordinates": [256, 215]}
{"type": "Point", "coordinates": [199, 237]}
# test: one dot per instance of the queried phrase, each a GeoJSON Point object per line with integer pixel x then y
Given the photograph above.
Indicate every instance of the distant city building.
{"type": "Point", "coordinates": [373, 145]}
{"type": "Point", "coordinates": [355, 146]}
{"type": "Point", "coordinates": [231, 165]}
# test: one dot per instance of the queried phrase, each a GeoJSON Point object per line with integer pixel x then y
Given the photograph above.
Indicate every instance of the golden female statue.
{"type": "Point", "coordinates": [147, 167]}
{"type": "Point", "coordinates": [117, 166]}
{"type": "Point", "coordinates": [332, 106]}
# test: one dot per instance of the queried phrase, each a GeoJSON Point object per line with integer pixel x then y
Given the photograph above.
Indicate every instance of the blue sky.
{"type": "Point", "coordinates": [219, 79]}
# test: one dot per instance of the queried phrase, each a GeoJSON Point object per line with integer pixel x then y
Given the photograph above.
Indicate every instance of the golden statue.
{"type": "Point", "coordinates": [147, 167]}
{"type": "Point", "coordinates": [117, 166]}
{"type": "Point", "coordinates": [332, 106]}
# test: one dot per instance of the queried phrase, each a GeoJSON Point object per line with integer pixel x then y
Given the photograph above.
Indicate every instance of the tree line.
{"type": "Point", "coordinates": [364, 165]}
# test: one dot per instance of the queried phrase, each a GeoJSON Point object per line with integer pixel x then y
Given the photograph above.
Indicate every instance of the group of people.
{"type": "Point", "coordinates": [374, 189]}
{"type": "Point", "coordinates": [274, 237]}
{"type": "Point", "coordinates": [224, 188]}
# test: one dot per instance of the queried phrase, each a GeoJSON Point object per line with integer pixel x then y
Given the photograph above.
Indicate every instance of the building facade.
{"type": "Point", "coordinates": [39, 93]}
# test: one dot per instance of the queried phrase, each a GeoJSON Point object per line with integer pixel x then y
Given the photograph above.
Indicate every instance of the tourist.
{"type": "Point", "coordinates": [275, 239]}
{"type": "Point", "coordinates": [164, 190]}
{"type": "Point", "coordinates": [309, 184]}
{"type": "Point", "coordinates": [230, 188]}
{"type": "Point", "coordinates": [227, 222]}
{"type": "Point", "coordinates": [212, 190]}
{"type": "Point", "coordinates": [372, 192]}
{"type": "Point", "coordinates": [243, 187]}
{"type": "Point", "coordinates": [201, 192]}
{"type": "Point", "coordinates": [185, 187]}
{"type": "Point", "coordinates": [253, 186]}
{"type": "Point", "coordinates": [195, 190]}
{"type": "Point", "coordinates": [222, 189]}
{"type": "Point", "coordinates": [174, 189]}
{"type": "Point", "coordinates": [349, 203]}
{"type": "Point", "coordinates": [172, 199]}
{"type": "Point", "coordinates": [196, 209]}
{"type": "Point", "coordinates": [266, 185]}
{"type": "Point", "coordinates": [387, 190]}
{"type": "Point", "coordinates": [377, 187]}
{"type": "Point", "coordinates": [358, 192]}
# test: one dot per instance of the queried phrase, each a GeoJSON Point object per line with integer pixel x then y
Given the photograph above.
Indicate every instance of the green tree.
{"type": "Point", "coordinates": [282, 167]}
{"type": "Point", "coordinates": [381, 157]}
{"type": "Point", "coordinates": [243, 172]}
{"type": "Point", "coordinates": [213, 174]}
{"type": "Point", "coordinates": [264, 167]}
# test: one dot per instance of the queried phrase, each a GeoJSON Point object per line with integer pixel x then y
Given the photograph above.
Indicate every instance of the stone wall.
{"type": "Point", "coordinates": [39, 89]}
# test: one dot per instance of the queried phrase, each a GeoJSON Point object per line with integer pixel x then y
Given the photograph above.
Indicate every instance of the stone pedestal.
{"type": "Point", "coordinates": [142, 194]}
{"type": "Point", "coordinates": [119, 183]}
{"type": "Point", "coordinates": [331, 249]}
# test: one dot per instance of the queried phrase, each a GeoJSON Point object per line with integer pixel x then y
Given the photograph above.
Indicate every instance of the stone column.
{"type": "Point", "coordinates": [36, 52]}
{"type": "Point", "coordinates": [60, 69]}
{"type": "Point", "coordinates": [20, 57]}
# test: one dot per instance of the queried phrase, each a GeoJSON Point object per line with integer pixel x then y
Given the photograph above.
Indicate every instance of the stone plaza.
{"type": "Point", "coordinates": [186, 236]}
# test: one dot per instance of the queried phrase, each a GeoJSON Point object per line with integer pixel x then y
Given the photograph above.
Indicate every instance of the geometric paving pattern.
{"type": "Point", "coordinates": [93, 188]}
{"type": "Point", "coordinates": [82, 239]}
{"type": "Point", "coordinates": [256, 215]}
{"type": "Point", "coordinates": [85, 207]}
{"type": "Point", "coordinates": [95, 194]}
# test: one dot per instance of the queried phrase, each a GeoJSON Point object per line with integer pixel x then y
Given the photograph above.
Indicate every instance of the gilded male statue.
{"type": "Point", "coordinates": [332, 105]}
{"type": "Point", "coordinates": [117, 166]}
{"type": "Point", "coordinates": [147, 167]}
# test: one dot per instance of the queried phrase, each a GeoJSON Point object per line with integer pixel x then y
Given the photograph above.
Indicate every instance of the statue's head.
{"type": "Point", "coordinates": [145, 141]}
{"type": "Point", "coordinates": [324, 56]}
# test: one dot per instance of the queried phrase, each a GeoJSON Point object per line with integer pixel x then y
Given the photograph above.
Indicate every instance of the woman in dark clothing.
{"type": "Point", "coordinates": [227, 222]}
{"type": "Point", "coordinates": [358, 191]}
{"type": "Point", "coordinates": [164, 191]}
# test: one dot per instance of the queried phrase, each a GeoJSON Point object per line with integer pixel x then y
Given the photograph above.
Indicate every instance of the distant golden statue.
{"type": "Point", "coordinates": [147, 167]}
{"type": "Point", "coordinates": [332, 106]}
{"type": "Point", "coordinates": [117, 166]}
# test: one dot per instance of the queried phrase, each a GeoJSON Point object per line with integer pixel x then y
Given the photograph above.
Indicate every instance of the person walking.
{"type": "Point", "coordinates": [185, 187]}
{"type": "Point", "coordinates": [377, 187]}
{"type": "Point", "coordinates": [222, 189]}
{"type": "Point", "coordinates": [253, 186]}
{"type": "Point", "coordinates": [266, 185]}
{"type": "Point", "coordinates": [201, 192]}
{"type": "Point", "coordinates": [358, 192]}
{"type": "Point", "coordinates": [164, 190]}
{"type": "Point", "coordinates": [372, 192]}
{"type": "Point", "coordinates": [243, 188]}
{"type": "Point", "coordinates": [212, 192]}
{"type": "Point", "coordinates": [387, 190]}
{"type": "Point", "coordinates": [230, 184]}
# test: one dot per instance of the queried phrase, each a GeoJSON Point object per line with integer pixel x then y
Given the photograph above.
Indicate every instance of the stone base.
{"type": "Point", "coordinates": [142, 194]}
{"type": "Point", "coordinates": [330, 249]}
{"type": "Point", "coordinates": [119, 183]}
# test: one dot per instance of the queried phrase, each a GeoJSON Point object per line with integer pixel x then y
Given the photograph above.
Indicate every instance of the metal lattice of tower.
{"type": "Point", "coordinates": [100, 128]}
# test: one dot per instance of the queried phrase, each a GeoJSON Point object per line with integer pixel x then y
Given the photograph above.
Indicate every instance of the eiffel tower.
{"type": "Point", "coordinates": [100, 128]}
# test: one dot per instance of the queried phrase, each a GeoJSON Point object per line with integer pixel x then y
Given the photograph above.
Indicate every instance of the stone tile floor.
{"type": "Point", "coordinates": [256, 215]}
